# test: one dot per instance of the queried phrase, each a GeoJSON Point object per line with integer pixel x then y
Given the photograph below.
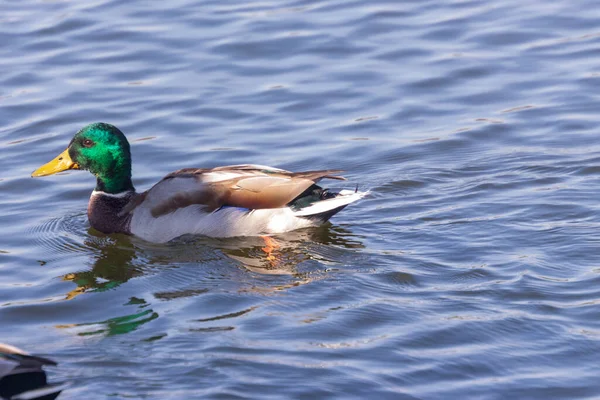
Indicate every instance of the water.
{"type": "Point", "coordinates": [471, 270]}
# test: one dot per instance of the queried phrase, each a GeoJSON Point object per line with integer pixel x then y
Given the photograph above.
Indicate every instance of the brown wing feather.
{"type": "Point", "coordinates": [318, 175]}
{"type": "Point", "coordinates": [242, 168]}
{"type": "Point", "coordinates": [265, 192]}
{"type": "Point", "coordinates": [257, 190]}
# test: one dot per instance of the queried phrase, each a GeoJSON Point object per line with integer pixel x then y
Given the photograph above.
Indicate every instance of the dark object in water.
{"type": "Point", "coordinates": [22, 376]}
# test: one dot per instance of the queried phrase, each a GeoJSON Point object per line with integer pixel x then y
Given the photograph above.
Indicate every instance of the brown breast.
{"type": "Point", "coordinates": [104, 213]}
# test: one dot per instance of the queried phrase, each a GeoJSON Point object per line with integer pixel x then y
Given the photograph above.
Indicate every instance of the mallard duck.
{"type": "Point", "coordinates": [235, 200]}
{"type": "Point", "coordinates": [22, 376]}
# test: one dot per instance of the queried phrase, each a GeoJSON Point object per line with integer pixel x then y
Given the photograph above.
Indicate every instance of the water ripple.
{"type": "Point", "coordinates": [470, 270]}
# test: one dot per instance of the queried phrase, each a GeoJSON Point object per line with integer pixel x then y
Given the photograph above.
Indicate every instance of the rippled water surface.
{"type": "Point", "coordinates": [471, 270]}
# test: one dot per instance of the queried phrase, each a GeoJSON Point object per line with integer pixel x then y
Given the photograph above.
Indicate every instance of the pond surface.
{"type": "Point", "coordinates": [472, 269]}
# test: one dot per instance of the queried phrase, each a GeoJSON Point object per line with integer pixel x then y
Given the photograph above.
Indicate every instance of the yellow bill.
{"type": "Point", "coordinates": [61, 163]}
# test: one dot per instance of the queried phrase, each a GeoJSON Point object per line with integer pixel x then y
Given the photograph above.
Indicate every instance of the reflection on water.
{"type": "Point", "coordinates": [113, 265]}
{"type": "Point", "coordinates": [473, 123]}
{"type": "Point", "coordinates": [116, 325]}
{"type": "Point", "coordinates": [118, 258]}
{"type": "Point", "coordinates": [281, 254]}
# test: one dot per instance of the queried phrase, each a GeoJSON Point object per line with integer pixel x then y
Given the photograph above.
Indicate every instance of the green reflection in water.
{"type": "Point", "coordinates": [112, 267]}
{"type": "Point", "coordinates": [117, 325]}
{"type": "Point", "coordinates": [117, 259]}
{"type": "Point", "coordinates": [121, 325]}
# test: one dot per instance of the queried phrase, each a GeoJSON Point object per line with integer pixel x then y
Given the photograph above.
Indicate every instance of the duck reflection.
{"type": "Point", "coordinates": [282, 254]}
{"type": "Point", "coordinates": [114, 265]}
{"type": "Point", "coordinates": [119, 258]}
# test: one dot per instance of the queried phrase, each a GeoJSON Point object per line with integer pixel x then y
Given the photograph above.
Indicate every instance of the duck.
{"type": "Point", "coordinates": [22, 376]}
{"type": "Point", "coordinates": [226, 201]}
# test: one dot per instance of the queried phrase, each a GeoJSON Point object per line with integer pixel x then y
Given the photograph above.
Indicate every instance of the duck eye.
{"type": "Point", "coordinates": [88, 143]}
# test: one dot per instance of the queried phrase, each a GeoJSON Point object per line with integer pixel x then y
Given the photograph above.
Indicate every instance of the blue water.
{"type": "Point", "coordinates": [471, 271]}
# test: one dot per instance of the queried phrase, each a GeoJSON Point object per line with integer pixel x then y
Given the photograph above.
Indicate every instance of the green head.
{"type": "Point", "coordinates": [101, 149]}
